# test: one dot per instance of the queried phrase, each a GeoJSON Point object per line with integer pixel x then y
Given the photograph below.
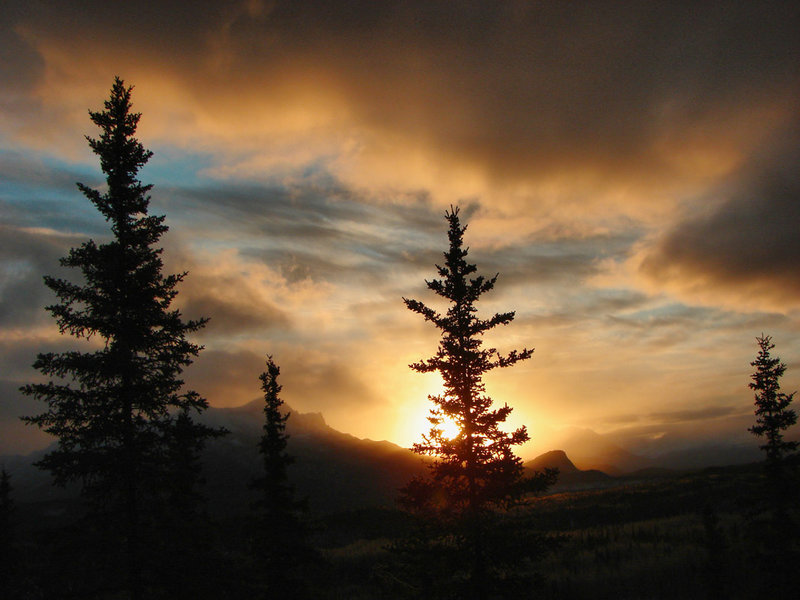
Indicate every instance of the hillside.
{"type": "Point", "coordinates": [335, 470]}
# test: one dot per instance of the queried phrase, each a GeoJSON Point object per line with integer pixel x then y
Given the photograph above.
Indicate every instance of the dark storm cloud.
{"type": "Point", "coordinates": [513, 89]}
{"type": "Point", "coordinates": [218, 290]}
{"type": "Point", "coordinates": [329, 386]}
{"type": "Point", "coordinates": [750, 240]}
{"type": "Point", "coordinates": [16, 360]}
{"type": "Point", "coordinates": [21, 66]}
{"type": "Point", "coordinates": [18, 355]}
{"type": "Point", "coordinates": [308, 212]}
{"type": "Point", "coordinates": [521, 87]}
{"type": "Point", "coordinates": [679, 321]}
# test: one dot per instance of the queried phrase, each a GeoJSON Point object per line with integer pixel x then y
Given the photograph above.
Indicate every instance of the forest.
{"type": "Point", "coordinates": [474, 522]}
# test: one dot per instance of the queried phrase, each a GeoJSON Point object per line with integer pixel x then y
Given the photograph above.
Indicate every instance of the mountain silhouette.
{"type": "Point", "coordinates": [334, 470]}
{"type": "Point", "coordinates": [569, 476]}
{"type": "Point", "coordinates": [337, 471]}
{"type": "Point", "coordinates": [591, 450]}
{"type": "Point", "coordinates": [555, 459]}
{"type": "Point", "coordinates": [618, 456]}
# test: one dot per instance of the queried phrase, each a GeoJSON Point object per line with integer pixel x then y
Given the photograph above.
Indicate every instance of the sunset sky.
{"type": "Point", "coordinates": [632, 171]}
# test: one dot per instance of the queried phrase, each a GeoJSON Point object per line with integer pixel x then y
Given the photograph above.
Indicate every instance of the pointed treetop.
{"type": "Point", "coordinates": [121, 156]}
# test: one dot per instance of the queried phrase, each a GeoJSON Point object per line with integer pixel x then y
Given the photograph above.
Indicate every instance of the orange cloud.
{"type": "Point", "coordinates": [539, 112]}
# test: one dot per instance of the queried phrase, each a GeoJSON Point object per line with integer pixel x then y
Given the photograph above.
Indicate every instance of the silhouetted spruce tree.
{"type": "Point", "coordinates": [475, 473]}
{"type": "Point", "coordinates": [773, 415]}
{"type": "Point", "coordinates": [778, 532]}
{"type": "Point", "coordinates": [280, 542]}
{"type": "Point", "coordinates": [113, 408]}
{"type": "Point", "coordinates": [190, 567]}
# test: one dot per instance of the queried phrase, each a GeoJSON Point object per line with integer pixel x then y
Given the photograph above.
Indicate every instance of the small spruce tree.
{"type": "Point", "coordinates": [773, 413]}
{"type": "Point", "coordinates": [113, 407]}
{"type": "Point", "coordinates": [775, 529]}
{"type": "Point", "coordinates": [280, 542]}
{"type": "Point", "coordinates": [475, 473]}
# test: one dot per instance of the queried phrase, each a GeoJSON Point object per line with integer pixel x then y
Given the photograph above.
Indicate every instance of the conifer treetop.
{"type": "Point", "coordinates": [772, 406]}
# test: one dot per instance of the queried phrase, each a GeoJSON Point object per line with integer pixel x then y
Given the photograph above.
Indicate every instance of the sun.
{"type": "Point", "coordinates": [417, 409]}
{"type": "Point", "coordinates": [449, 427]}
{"type": "Point", "coordinates": [420, 426]}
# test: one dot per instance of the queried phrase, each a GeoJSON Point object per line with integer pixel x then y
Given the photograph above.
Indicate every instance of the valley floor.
{"type": "Point", "coordinates": [696, 535]}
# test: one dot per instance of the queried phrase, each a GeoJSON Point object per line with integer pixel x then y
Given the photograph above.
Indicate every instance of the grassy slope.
{"type": "Point", "coordinates": [686, 536]}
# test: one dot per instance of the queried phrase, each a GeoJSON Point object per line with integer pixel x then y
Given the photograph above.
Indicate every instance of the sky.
{"type": "Point", "coordinates": [629, 169]}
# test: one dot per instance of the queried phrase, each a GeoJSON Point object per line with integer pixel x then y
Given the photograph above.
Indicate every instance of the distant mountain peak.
{"type": "Point", "coordinates": [569, 476]}
{"type": "Point", "coordinates": [555, 459]}
{"type": "Point", "coordinates": [253, 411]}
{"type": "Point", "coordinates": [306, 422]}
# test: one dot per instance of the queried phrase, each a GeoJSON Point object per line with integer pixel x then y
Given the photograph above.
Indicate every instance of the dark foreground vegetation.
{"type": "Point", "coordinates": [696, 535]}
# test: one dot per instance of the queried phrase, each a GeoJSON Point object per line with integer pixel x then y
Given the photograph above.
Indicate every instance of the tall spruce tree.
{"type": "Point", "coordinates": [280, 541]}
{"type": "Point", "coordinates": [475, 472]}
{"type": "Point", "coordinates": [114, 407]}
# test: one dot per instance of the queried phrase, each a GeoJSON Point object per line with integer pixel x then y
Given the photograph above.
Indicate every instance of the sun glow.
{"type": "Point", "coordinates": [448, 427]}
{"type": "Point", "coordinates": [419, 425]}
{"type": "Point", "coordinates": [418, 409]}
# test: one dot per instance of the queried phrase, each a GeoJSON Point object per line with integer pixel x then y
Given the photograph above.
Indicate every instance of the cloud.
{"type": "Point", "coordinates": [610, 162]}
{"type": "Point", "coordinates": [234, 315]}
{"type": "Point", "coordinates": [225, 378]}
{"type": "Point", "coordinates": [40, 194]}
{"type": "Point", "coordinates": [25, 256]}
{"type": "Point", "coordinates": [316, 231]}
{"type": "Point", "coordinates": [660, 437]}
{"type": "Point", "coordinates": [239, 296]}
{"type": "Point", "coordinates": [522, 105]}
{"type": "Point", "coordinates": [311, 381]}
{"type": "Point", "coordinates": [746, 249]}
{"type": "Point", "coordinates": [695, 414]}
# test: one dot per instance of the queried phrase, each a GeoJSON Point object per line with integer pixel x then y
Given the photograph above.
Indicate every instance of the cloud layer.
{"type": "Point", "coordinates": [629, 169]}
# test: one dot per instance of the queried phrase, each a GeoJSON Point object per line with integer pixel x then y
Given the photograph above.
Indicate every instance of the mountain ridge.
{"type": "Point", "coordinates": [337, 471]}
